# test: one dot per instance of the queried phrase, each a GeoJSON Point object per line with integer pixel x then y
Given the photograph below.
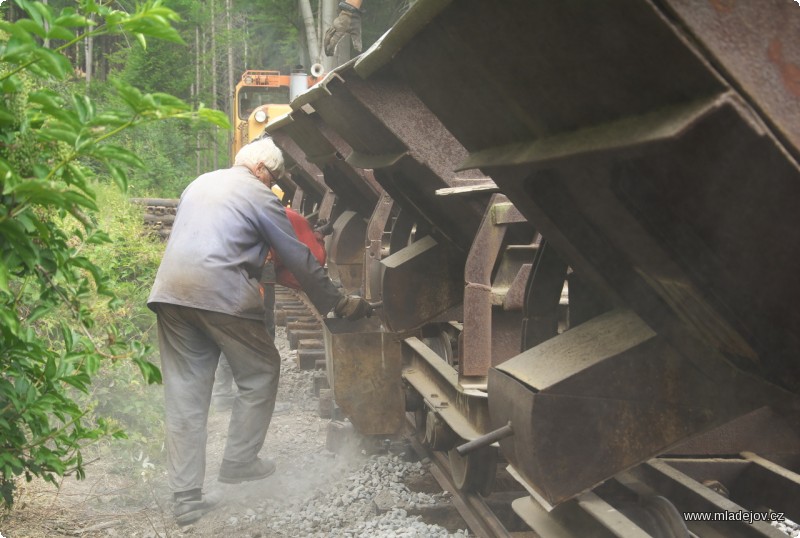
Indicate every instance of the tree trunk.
{"type": "Point", "coordinates": [77, 52]}
{"type": "Point", "coordinates": [46, 28]}
{"type": "Point", "coordinates": [246, 39]}
{"type": "Point", "coordinates": [197, 90]}
{"type": "Point", "coordinates": [228, 9]}
{"type": "Point", "coordinates": [89, 58]}
{"type": "Point", "coordinates": [214, 98]}
{"type": "Point", "coordinates": [204, 132]}
{"type": "Point", "coordinates": [311, 31]}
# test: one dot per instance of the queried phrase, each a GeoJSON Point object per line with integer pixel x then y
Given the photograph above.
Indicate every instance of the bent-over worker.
{"type": "Point", "coordinates": [206, 297]}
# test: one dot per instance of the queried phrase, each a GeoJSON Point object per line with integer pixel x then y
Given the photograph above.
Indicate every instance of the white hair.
{"type": "Point", "coordinates": [260, 151]}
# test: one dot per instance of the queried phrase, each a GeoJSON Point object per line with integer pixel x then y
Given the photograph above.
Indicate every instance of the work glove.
{"type": "Point", "coordinates": [352, 307]}
{"type": "Point", "coordinates": [347, 23]}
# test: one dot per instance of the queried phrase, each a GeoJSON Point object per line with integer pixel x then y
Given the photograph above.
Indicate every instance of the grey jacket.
{"type": "Point", "coordinates": [226, 222]}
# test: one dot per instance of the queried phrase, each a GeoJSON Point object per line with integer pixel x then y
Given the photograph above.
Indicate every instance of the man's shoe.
{"type": "Point", "coordinates": [232, 472]}
{"type": "Point", "coordinates": [192, 506]}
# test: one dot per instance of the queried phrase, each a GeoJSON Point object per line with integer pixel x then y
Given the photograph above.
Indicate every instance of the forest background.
{"type": "Point", "coordinates": [89, 117]}
{"type": "Point", "coordinates": [221, 39]}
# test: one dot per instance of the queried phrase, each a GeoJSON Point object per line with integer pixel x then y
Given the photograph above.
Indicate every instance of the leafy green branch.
{"type": "Point", "coordinates": [52, 147]}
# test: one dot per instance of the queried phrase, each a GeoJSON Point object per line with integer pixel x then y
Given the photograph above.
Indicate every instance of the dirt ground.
{"type": "Point", "coordinates": [124, 494]}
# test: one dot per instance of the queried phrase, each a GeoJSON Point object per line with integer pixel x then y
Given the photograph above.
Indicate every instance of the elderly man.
{"type": "Point", "coordinates": [206, 297]}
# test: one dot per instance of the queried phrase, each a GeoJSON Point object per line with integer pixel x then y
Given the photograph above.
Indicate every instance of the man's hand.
{"type": "Point", "coordinates": [352, 307]}
{"type": "Point", "coordinates": [347, 23]}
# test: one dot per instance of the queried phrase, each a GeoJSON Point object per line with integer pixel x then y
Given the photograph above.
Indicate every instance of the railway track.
{"type": "Point", "coordinates": [668, 497]}
{"type": "Point", "coordinates": [473, 508]}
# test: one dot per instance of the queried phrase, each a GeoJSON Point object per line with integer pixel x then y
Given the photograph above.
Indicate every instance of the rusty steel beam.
{"type": "Point", "coordinates": [491, 333]}
{"type": "Point", "coordinates": [377, 248]}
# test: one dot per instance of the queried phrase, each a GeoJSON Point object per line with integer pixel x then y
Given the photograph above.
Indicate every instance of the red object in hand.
{"type": "Point", "coordinates": [306, 235]}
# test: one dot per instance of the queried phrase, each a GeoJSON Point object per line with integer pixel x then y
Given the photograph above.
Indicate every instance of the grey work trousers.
{"type": "Point", "coordinates": [223, 383]}
{"type": "Point", "coordinates": [190, 341]}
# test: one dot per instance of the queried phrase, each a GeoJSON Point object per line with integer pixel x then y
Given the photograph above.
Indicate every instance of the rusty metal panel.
{"type": "Point", "coordinates": [364, 367]}
{"type": "Point", "coordinates": [320, 151]}
{"type": "Point", "coordinates": [604, 397]}
{"type": "Point", "coordinates": [412, 155]}
{"type": "Point", "coordinates": [346, 251]}
{"type": "Point", "coordinates": [638, 140]}
{"type": "Point", "coordinates": [766, 431]}
{"type": "Point", "coordinates": [755, 44]}
{"type": "Point", "coordinates": [422, 283]}
{"type": "Point", "coordinates": [543, 67]}
{"type": "Point", "coordinates": [309, 176]}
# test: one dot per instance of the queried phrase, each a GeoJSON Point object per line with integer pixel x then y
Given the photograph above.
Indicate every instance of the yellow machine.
{"type": "Point", "coordinates": [261, 96]}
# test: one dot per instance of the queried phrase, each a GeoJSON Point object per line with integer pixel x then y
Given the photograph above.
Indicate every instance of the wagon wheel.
{"type": "Point", "coordinates": [474, 472]}
{"type": "Point", "coordinates": [658, 517]}
{"type": "Point", "coordinates": [440, 344]}
{"type": "Point", "coordinates": [420, 423]}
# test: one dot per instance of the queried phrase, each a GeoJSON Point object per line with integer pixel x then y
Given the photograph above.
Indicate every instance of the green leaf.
{"type": "Point", "coordinates": [50, 367]}
{"type": "Point", "coordinates": [167, 100]}
{"type": "Point", "coordinates": [71, 19]}
{"type": "Point", "coordinates": [84, 107]}
{"type": "Point", "coordinates": [119, 176]}
{"type": "Point", "coordinates": [31, 10]}
{"type": "Point", "coordinates": [80, 200]}
{"type": "Point", "coordinates": [12, 84]}
{"type": "Point", "coordinates": [56, 64]}
{"type": "Point", "coordinates": [6, 117]}
{"type": "Point", "coordinates": [32, 27]}
{"type": "Point", "coordinates": [67, 335]}
{"type": "Point", "coordinates": [92, 364]}
{"type": "Point", "coordinates": [4, 277]}
{"type": "Point", "coordinates": [18, 50]}
{"type": "Point", "coordinates": [63, 134]}
{"type": "Point", "coordinates": [44, 12]}
{"type": "Point", "coordinates": [59, 32]}
{"type": "Point", "coordinates": [129, 94]}
{"type": "Point", "coordinates": [118, 153]}
{"type": "Point", "coordinates": [38, 312]}
{"type": "Point", "coordinates": [142, 40]}
{"type": "Point", "coordinates": [48, 99]}
{"type": "Point", "coordinates": [74, 175]}
{"type": "Point", "coordinates": [150, 371]}
{"type": "Point", "coordinates": [9, 323]}
{"type": "Point", "coordinates": [217, 117]}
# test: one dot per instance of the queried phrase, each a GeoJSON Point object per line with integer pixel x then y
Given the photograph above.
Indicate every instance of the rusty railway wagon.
{"type": "Point", "coordinates": [580, 219]}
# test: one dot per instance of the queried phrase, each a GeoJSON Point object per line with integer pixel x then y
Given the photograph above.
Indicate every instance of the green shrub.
{"type": "Point", "coordinates": [52, 292]}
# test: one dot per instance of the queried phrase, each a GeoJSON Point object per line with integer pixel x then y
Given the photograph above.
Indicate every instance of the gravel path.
{"type": "Point", "coordinates": [314, 493]}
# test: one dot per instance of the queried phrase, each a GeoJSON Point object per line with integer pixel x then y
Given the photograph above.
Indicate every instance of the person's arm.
{"type": "Point", "coordinates": [348, 22]}
{"type": "Point", "coordinates": [297, 257]}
